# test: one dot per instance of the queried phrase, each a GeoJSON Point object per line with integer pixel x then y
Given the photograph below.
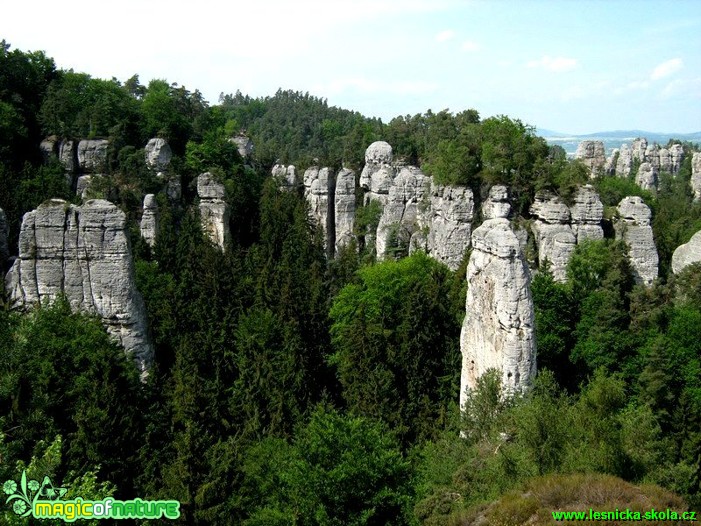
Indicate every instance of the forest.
{"type": "Point", "coordinates": [292, 389]}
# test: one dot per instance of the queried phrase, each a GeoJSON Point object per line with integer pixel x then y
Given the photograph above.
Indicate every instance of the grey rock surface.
{"type": "Point", "coordinates": [244, 145]}
{"type": "Point", "coordinates": [4, 233]}
{"type": "Point", "coordinates": [68, 155]}
{"type": "Point", "coordinates": [593, 155]}
{"type": "Point", "coordinates": [285, 175]}
{"type": "Point", "coordinates": [587, 212]}
{"type": "Point", "coordinates": [687, 253]}
{"type": "Point", "coordinates": [633, 227]}
{"type": "Point", "coordinates": [149, 220]}
{"type": "Point", "coordinates": [497, 204]}
{"type": "Point", "coordinates": [319, 189]}
{"type": "Point", "coordinates": [696, 176]}
{"type": "Point", "coordinates": [344, 208]}
{"type": "Point", "coordinates": [84, 253]}
{"type": "Point", "coordinates": [553, 233]}
{"type": "Point", "coordinates": [498, 330]}
{"type": "Point", "coordinates": [676, 157]}
{"type": "Point", "coordinates": [624, 164]}
{"type": "Point", "coordinates": [646, 178]}
{"type": "Point", "coordinates": [92, 155]}
{"type": "Point", "coordinates": [158, 154]}
{"type": "Point", "coordinates": [214, 211]}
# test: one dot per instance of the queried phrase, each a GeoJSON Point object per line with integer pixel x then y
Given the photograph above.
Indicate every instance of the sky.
{"type": "Point", "coordinates": [569, 66]}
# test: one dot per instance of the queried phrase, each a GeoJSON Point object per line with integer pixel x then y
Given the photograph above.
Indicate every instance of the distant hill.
{"type": "Point", "coordinates": [612, 139]}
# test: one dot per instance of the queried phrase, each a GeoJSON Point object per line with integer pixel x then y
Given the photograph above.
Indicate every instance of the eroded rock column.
{"type": "Point", "coordinates": [214, 211]}
{"type": "Point", "coordinates": [633, 227]}
{"type": "Point", "coordinates": [498, 331]}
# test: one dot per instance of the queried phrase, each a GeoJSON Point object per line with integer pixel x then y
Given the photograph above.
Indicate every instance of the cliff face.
{"type": "Point", "coordinates": [214, 211]}
{"type": "Point", "coordinates": [498, 331]}
{"type": "Point", "coordinates": [82, 252]}
{"type": "Point", "coordinates": [687, 254]}
{"type": "Point", "coordinates": [558, 228]}
{"type": "Point", "coordinates": [593, 155]}
{"type": "Point", "coordinates": [696, 176]}
{"type": "Point", "coordinates": [635, 229]}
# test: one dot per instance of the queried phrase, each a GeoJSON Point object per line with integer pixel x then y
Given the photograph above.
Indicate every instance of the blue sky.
{"type": "Point", "coordinates": [570, 66]}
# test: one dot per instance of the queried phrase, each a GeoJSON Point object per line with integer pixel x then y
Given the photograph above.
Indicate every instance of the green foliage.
{"type": "Point", "coordinates": [395, 343]}
{"type": "Point", "coordinates": [339, 470]}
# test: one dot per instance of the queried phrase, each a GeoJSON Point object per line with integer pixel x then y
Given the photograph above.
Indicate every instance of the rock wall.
{"type": "Point", "coordinates": [319, 191]}
{"type": "Point", "coordinates": [558, 228]}
{"type": "Point", "coordinates": [647, 177]}
{"type": "Point", "coordinates": [244, 145]}
{"type": "Point", "coordinates": [158, 154]}
{"type": "Point", "coordinates": [498, 331]}
{"type": "Point", "coordinates": [687, 253]}
{"type": "Point", "coordinates": [4, 233]}
{"type": "Point", "coordinates": [344, 208]}
{"type": "Point", "coordinates": [661, 159]}
{"type": "Point", "coordinates": [92, 155]}
{"type": "Point", "coordinates": [214, 211]}
{"type": "Point", "coordinates": [633, 227]}
{"type": "Point", "coordinates": [149, 220]}
{"type": "Point", "coordinates": [82, 252]}
{"type": "Point", "coordinates": [285, 176]}
{"type": "Point", "coordinates": [593, 155]}
{"type": "Point", "coordinates": [696, 176]}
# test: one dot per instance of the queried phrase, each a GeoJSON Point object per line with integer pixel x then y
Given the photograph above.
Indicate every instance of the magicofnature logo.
{"type": "Point", "coordinates": [43, 501]}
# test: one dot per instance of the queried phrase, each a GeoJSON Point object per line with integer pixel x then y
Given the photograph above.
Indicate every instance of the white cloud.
{"type": "Point", "coordinates": [444, 36]}
{"type": "Point", "coordinates": [667, 68]}
{"type": "Point", "coordinates": [469, 45]}
{"type": "Point", "coordinates": [682, 88]}
{"type": "Point", "coordinates": [557, 64]}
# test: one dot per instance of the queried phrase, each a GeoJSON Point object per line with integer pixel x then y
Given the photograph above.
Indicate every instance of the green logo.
{"type": "Point", "coordinates": [43, 501]}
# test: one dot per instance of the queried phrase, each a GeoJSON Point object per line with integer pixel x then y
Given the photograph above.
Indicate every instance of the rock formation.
{"type": "Point", "coordinates": [676, 157]}
{"type": "Point", "coordinates": [377, 174]}
{"type": "Point", "coordinates": [687, 253]}
{"type": "Point", "coordinates": [319, 191]}
{"type": "Point", "coordinates": [696, 176]}
{"type": "Point", "coordinates": [285, 176]}
{"type": "Point", "coordinates": [646, 178]}
{"type": "Point", "coordinates": [244, 145]}
{"type": "Point", "coordinates": [344, 207]}
{"type": "Point", "coordinates": [634, 228]}
{"type": "Point", "coordinates": [587, 213]}
{"type": "Point", "coordinates": [92, 155]}
{"type": "Point", "coordinates": [214, 211]}
{"type": "Point", "coordinates": [399, 218]}
{"type": "Point", "coordinates": [497, 205]}
{"type": "Point", "coordinates": [158, 154]}
{"type": "Point", "coordinates": [638, 149]}
{"type": "Point", "coordinates": [498, 331]}
{"type": "Point", "coordinates": [624, 164]}
{"type": "Point", "coordinates": [610, 166]}
{"type": "Point", "coordinates": [553, 233]}
{"type": "Point", "coordinates": [82, 252]}
{"type": "Point", "coordinates": [149, 220]}
{"type": "Point", "coordinates": [448, 221]}
{"type": "Point", "coordinates": [593, 155]}
{"type": "Point", "coordinates": [4, 232]}
{"type": "Point", "coordinates": [82, 186]}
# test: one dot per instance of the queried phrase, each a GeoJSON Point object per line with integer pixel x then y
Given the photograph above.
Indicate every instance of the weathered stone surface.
{"type": "Point", "coordinates": [593, 155]}
{"type": "Point", "coordinates": [399, 218]}
{"type": "Point", "coordinates": [244, 145]}
{"type": "Point", "coordinates": [4, 233]}
{"type": "Point", "coordinates": [158, 154]}
{"type": "Point", "coordinates": [344, 204]}
{"type": "Point", "coordinates": [634, 228]}
{"type": "Point", "coordinates": [497, 205]}
{"type": "Point", "coordinates": [82, 252]}
{"type": "Point", "coordinates": [377, 155]}
{"type": "Point", "coordinates": [676, 157]}
{"type": "Point", "coordinates": [639, 148]}
{"type": "Point", "coordinates": [687, 253]}
{"type": "Point", "coordinates": [214, 211]}
{"type": "Point", "coordinates": [696, 176]}
{"type": "Point", "coordinates": [498, 331]}
{"type": "Point", "coordinates": [449, 223]}
{"type": "Point", "coordinates": [553, 233]}
{"type": "Point", "coordinates": [587, 213]}
{"type": "Point", "coordinates": [610, 166]}
{"type": "Point", "coordinates": [49, 148]}
{"type": "Point", "coordinates": [319, 188]}
{"type": "Point", "coordinates": [174, 188]}
{"type": "Point", "coordinates": [82, 186]}
{"type": "Point", "coordinates": [68, 155]}
{"type": "Point", "coordinates": [646, 177]}
{"type": "Point", "coordinates": [663, 160]}
{"type": "Point", "coordinates": [149, 219]}
{"type": "Point", "coordinates": [624, 164]}
{"type": "Point", "coordinates": [92, 155]}
{"type": "Point", "coordinates": [285, 175]}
